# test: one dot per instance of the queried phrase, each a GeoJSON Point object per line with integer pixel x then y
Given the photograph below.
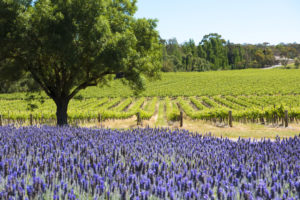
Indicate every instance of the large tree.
{"type": "Point", "coordinates": [215, 51]}
{"type": "Point", "coordinates": [69, 45]}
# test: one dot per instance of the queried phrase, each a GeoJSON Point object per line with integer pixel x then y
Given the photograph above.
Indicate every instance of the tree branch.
{"type": "Point", "coordinates": [48, 90]}
{"type": "Point", "coordinates": [90, 82]}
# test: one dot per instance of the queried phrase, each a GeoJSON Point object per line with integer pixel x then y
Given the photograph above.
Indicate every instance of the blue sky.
{"type": "Point", "coordinates": [240, 21]}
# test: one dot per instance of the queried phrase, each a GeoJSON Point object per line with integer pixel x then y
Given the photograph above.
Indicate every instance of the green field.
{"type": "Point", "coordinates": [233, 82]}
{"type": "Point", "coordinates": [252, 95]}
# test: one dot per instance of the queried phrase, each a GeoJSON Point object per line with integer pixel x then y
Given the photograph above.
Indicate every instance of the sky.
{"type": "Point", "coordinates": [239, 21]}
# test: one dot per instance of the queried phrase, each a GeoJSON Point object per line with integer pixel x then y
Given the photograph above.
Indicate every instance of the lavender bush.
{"type": "Point", "coordinates": [79, 163]}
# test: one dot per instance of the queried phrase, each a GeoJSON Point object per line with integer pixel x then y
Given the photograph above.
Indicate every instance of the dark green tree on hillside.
{"type": "Point", "coordinates": [190, 55]}
{"type": "Point", "coordinates": [215, 50]}
{"type": "Point", "coordinates": [235, 55]}
{"type": "Point", "coordinates": [172, 56]}
{"type": "Point", "coordinates": [68, 46]}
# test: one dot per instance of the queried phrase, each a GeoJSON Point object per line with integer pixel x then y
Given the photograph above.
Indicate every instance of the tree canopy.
{"type": "Point", "coordinates": [68, 45]}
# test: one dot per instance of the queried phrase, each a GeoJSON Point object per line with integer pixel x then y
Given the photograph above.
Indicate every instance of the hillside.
{"type": "Point", "coordinates": [236, 82]}
{"type": "Point", "coordinates": [233, 82]}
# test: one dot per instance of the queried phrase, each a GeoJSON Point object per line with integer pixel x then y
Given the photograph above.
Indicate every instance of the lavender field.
{"type": "Point", "coordinates": [80, 163]}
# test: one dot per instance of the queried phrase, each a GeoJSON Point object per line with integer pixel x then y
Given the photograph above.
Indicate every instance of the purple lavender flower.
{"type": "Point", "coordinates": [72, 163]}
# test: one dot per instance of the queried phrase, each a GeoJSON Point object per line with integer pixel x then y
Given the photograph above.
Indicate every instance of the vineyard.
{"type": "Point", "coordinates": [233, 82]}
{"type": "Point", "coordinates": [263, 109]}
{"type": "Point", "coordinates": [212, 83]}
{"type": "Point", "coordinates": [260, 96]}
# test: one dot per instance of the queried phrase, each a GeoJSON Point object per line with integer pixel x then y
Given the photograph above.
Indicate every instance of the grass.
{"type": "Point", "coordinates": [161, 118]}
{"type": "Point", "coordinates": [255, 131]}
{"type": "Point", "coordinates": [250, 130]}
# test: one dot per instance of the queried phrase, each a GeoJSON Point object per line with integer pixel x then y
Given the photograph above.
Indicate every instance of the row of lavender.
{"type": "Point", "coordinates": [77, 163]}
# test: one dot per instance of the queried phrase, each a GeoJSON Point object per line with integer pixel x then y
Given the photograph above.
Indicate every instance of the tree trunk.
{"type": "Point", "coordinates": [61, 111]}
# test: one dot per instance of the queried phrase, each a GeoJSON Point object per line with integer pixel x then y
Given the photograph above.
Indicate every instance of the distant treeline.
{"type": "Point", "coordinates": [214, 53]}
